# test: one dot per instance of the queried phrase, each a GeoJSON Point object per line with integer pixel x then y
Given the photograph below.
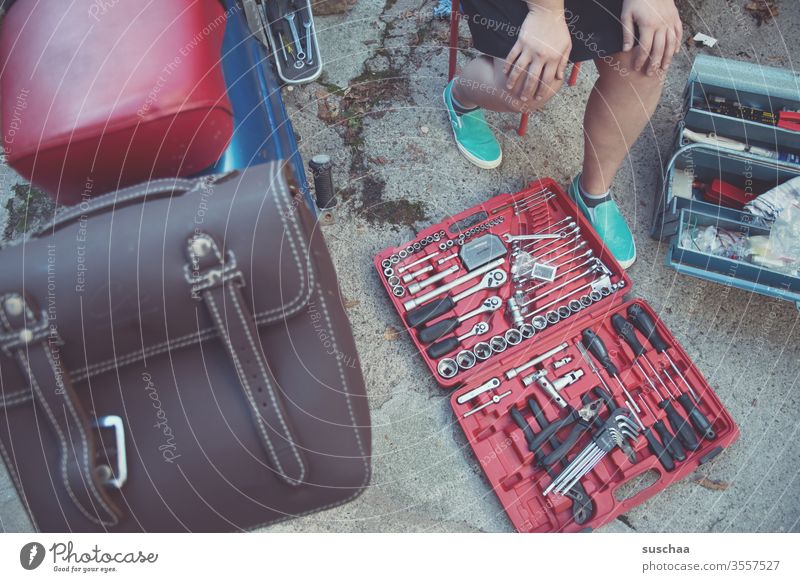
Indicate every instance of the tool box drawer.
{"type": "Point", "coordinates": [517, 306]}
{"type": "Point", "coordinates": [686, 258]}
{"type": "Point", "coordinates": [696, 165]}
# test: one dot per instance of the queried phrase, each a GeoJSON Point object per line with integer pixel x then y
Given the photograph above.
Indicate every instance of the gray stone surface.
{"type": "Point", "coordinates": [399, 172]}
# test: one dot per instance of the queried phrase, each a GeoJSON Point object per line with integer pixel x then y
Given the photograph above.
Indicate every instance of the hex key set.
{"type": "Point", "coordinates": [564, 390]}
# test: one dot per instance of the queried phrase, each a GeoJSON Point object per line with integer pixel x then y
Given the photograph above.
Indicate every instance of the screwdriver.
{"type": "Point", "coordinates": [661, 453]}
{"type": "Point", "coordinates": [679, 423]}
{"type": "Point", "coordinates": [595, 345]}
{"type": "Point", "coordinates": [645, 324]}
{"type": "Point", "coordinates": [699, 420]}
{"type": "Point", "coordinates": [672, 443]}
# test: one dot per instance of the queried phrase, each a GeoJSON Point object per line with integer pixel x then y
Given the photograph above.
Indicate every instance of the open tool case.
{"type": "Point", "coordinates": [766, 133]}
{"type": "Point", "coordinates": [285, 23]}
{"type": "Point", "coordinates": [513, 379]}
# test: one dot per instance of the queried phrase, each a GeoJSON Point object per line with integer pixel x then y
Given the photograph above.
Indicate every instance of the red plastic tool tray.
{"type": "Point", "coordinates": [616, 483]}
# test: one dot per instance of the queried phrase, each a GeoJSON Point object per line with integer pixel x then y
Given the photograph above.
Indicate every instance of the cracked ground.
{"type": "Point", "coordinates": [377, 111]}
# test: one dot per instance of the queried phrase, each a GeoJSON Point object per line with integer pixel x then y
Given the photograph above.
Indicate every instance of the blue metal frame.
{"type": "Point", "coordinates": [262, 129]}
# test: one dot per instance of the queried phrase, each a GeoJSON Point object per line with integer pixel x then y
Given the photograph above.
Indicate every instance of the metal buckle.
{"type": "Point", "coordinates": [109, 477]}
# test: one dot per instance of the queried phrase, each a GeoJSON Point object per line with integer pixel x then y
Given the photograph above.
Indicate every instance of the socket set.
{"type": "Point", "coordinates": [578, 403]}
{"type": "Point", "coordinates": [495, 278]}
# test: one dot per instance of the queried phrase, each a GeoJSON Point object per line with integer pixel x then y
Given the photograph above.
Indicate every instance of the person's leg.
{"type": "Point", "coordinates": [619, 108]}
{"type": "Point", "coordinates": [482, 83]}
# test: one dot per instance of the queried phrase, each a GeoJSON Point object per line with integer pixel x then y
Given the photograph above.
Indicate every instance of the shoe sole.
{"type": "Point", "coordinates": [483, 164]}
{"type": "Point", "coordinates": [624, 264]}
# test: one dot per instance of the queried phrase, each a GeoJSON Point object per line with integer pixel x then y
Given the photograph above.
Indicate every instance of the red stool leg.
{"type": "Point", "coordinates": [573, 76]}
{"type": "Point", "coordinates": [523, 125]}
{"type": "Point", "coordinates": [453, 49]}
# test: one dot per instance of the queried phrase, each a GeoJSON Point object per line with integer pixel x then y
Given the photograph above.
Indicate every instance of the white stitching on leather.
{"type": "Point", "coordinates": [62, 440]}
{"type": "Point", "coordinates": [88, 474]}
{"type": "Point", "coordinates": [15, 398]}
{"type": "Point", "coordinates": [120, 196]}
{"type": "Point", "coordinates": [324, 306]}
{"type": "Point", "coordinates": [259, 355]}
{"type": "Point", "coordinates": [306, 279]}
{"type": "Point", "coordinates": [242, 377]}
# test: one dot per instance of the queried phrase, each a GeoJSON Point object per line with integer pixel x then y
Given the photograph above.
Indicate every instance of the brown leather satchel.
{"type": "Point", "coordinates": [176, 357]}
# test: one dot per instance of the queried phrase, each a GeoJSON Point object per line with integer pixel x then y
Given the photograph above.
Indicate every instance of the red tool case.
{"type": "Point", "coordinates": [499, 443]}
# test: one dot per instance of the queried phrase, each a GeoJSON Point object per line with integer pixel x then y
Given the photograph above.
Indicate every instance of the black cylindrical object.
{"type": "Point", "coordinates": [321, 171]}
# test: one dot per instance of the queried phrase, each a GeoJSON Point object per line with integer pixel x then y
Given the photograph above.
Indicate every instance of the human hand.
{"type": "Point", "coordinates": [540, 54]}
{"type": "Point", "coordinates": [660, 32]}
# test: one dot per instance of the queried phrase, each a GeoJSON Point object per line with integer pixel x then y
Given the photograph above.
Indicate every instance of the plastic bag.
{"type": "Point", "coordinates": [770, 205]}
{"type": "Point", "coordinates": [783, 251]}
{"type": "Point", "coordinates": [716, 241]}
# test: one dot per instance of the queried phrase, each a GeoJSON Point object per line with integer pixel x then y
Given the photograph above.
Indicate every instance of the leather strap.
{"type": "Point", "coordinates": [216, 280]}
{"type": "Point", "coordinates": [29, 339]}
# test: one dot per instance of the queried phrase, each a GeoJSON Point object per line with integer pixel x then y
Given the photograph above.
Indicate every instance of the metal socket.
{"type": "Point", "coordinates": [482, 350]}
{"type": "Point", "coordinates": [388, 272]}
{"type": "Point", "coordinates": [386, 263]}
{"type": "Point", "coordinates": [398, 291]}
{"type": "Point", "coordinates": [539, 322]}
{"type": "Point", "coordinates": [498, 344]}
{"type": "Point", "coordinates": [394, 281]}
{"type": "Point", "coordinates": [465, 359]}
{"type": "Point", "coordinates": [552, 317]}
{"type": "Point", "coordinates": [574, 306]}
{"type": "Point", "coordinates": [513, 336]}
{"type": "Point", "coordinates": [447, 368]}
{"type": "Point", "coordinates": [527, 330]}
{"type": "Point", "coordinates": [564, 312]}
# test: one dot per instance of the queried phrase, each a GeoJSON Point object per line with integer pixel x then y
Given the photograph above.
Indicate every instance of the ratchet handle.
{"type": "Point", "coordinates": [437, 330]}
{"type": "Point", "coordinates": [428, 311]}
{"type": "Point", "coordinates": [699, 421]}
{"type": "Point", "coordinates": [442, 347]}
{"type": "Point", "coordinates": [645, 324]}
{"type": "Point", "coordinates": [626, 332]}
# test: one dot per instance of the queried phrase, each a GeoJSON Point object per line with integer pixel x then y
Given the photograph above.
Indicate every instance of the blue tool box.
{"type": "Point", "coordinates": [680, 206]}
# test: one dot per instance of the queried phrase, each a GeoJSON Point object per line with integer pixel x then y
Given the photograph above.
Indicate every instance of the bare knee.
{"type": "Point", "coordinates": [618, 69]}
{"type": "Point", "coordinates": [512, 98]}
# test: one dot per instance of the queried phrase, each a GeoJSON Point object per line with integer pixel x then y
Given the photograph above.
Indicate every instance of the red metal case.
{"type": "Point", "coordinates": [498, 441]}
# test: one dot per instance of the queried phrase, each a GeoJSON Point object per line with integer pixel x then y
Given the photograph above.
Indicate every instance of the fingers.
{"type": "Point", "coordinates": [627, 31]}
{"type": "Point", "coordinates": [678, 35]}
{"type": "Point", "coordinates": [669, 50]}
{"type": "Point", "coordinates": [532, 80]}
{"type": "Point", "coordinates": [516, 50]}
{"type": "Point", "coordinates": [518, 68]}
{"type": "Point", "coordinates": [645, 44]}
{"type": "Point", "coordinates": [657, 51]}
{"type": "Point", "coordinates": [562, 67]}
{"type": "Point", "coordinates": [547, 84]}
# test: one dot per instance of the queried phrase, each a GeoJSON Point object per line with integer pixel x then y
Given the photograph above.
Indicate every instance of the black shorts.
{"type": "Point", "coordinates": [595, 26]}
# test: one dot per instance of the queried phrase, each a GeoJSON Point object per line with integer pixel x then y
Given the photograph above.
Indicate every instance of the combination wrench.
{"type": "Point", "coordinates": [298, 47]}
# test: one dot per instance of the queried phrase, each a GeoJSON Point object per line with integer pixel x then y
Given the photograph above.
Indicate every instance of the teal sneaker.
{"type": "Point", "coordinates": [473, 137]}
{"type": "Point", "coordinates": [609, 223]}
